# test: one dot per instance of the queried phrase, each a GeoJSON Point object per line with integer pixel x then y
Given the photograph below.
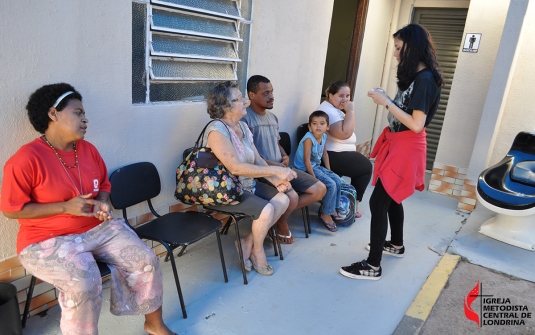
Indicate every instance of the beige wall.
{"type": "Point", "coordinates": [471, 84]}
{"type": "Point", "coordinates": [88, 44]}
{"type": "Point", "coordinates": [372, 63]}
{"type": "Point", "coordinates": [518, 108]}
{"type": "Point", "coordinates": [289, 46]}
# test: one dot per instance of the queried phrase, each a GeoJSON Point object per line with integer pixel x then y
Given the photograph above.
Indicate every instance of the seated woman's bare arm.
{"type": "Point", "coordinates": [77, 206]}
{"type": "Point", "coordinates": [343, 129]}
{"type": "Point", "coordinates": [224, 150]}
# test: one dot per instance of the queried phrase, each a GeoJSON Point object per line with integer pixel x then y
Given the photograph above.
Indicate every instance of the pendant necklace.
{"type": "Point", "coordinates": [65, 166]}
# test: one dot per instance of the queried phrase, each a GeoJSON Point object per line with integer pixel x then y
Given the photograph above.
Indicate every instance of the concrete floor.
{"type": "Point", "coordinates": [306, 295]}
{"type": "Point", "coordinates": [487, 252]}
{"type": "Point", "coordinates": [448, 317]}
{"type": "Point", "coordinates": [503, 271]}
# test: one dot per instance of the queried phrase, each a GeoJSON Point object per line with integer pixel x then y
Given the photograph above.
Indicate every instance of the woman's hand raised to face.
{"type": "Point", "coordinates": [348, 106]}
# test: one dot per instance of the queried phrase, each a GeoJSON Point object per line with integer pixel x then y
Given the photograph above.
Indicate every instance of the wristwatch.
{"type": "Point", "coordinates": [388, 104]}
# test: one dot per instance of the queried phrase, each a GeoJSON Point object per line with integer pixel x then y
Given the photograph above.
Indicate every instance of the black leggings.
{"type": "Point", "coordinates": [354, 165]}
{"type": "Point", "coordinates": [384, 209]}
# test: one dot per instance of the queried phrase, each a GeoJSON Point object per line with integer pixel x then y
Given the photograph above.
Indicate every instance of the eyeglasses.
{"type": "Point", "coordinates": [245, 101]}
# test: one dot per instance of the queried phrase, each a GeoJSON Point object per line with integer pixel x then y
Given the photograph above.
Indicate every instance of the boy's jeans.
{"type": "Point", "coordinates": [332, 181]}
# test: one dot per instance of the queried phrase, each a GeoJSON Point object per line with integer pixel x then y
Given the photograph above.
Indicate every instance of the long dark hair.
{"type": "Point", "coordinates": [418, 47]}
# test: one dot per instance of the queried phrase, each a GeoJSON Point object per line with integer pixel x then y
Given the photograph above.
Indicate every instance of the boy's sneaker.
{"type": "Point", "coordinates": [389, 249]}
{"type": "Point", "coordinates": [361, 270]}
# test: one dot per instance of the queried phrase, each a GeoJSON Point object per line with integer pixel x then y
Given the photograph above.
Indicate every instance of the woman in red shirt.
{"type": "Point", "coordinates": [57, 187]}
{"type": "Point", "coordinates": [400, 150]}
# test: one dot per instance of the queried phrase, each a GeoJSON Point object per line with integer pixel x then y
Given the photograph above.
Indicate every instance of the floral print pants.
{"type": "Point", "coordinates": [68, 262]}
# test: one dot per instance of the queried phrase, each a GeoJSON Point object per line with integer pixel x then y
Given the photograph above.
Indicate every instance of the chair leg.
{"type": "Point", "coordinates": [221, 255]}
{"type": "Point", "coordinates": [181, 252]}
{"type": "Point", "coordinates": [177, 282]}
{"type": "Point", "coordinates": [226, 226]}
{"type": "Point", "coordinates": [240, 252]}
{"type": "Point", "coordinates": [276, 243]}
{"type": "Point", "coordinates": [28, 301]}
{"type": "Point", "coordinates": [303, 213]}
{"type": "Point", "coordinates": [273, 235]}
{"type": "Point", "coordinates": [308, 220]}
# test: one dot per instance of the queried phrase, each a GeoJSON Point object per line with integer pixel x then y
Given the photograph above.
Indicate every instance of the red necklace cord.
{"type": "Point", "coordinates": [79, 190]}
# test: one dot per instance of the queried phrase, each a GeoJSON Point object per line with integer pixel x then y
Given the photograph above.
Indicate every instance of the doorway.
{"type": "Point", "coordinates": [446, 26]}
{"type": "Point", "coordinates": [345, 42]}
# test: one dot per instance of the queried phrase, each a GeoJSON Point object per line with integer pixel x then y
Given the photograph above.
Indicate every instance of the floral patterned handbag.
{"type": "Point", "coordinates": [202, 179]}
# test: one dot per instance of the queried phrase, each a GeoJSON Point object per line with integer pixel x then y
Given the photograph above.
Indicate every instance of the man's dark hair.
{"type": "Point", "coordinates": [41, 100]}
{"type": "Point", "coordinates": [318, 114]}
{"type": "Point", "coordinates": [254, 81]}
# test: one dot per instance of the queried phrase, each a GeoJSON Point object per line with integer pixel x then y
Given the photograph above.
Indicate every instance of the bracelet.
{"type": "Point", "coordinates": [388, 104]}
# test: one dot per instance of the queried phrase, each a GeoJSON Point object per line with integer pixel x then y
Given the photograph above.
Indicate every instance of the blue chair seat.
{"type": "Point", "coordinates": [510, 184]}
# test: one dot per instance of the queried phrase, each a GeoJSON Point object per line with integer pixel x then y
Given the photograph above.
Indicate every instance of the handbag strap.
{"type": "Point", "coordinates": [201, 135]}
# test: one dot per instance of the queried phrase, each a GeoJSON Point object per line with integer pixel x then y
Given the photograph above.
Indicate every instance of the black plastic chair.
{"type": "Point", "coordinates": [139, 182]}
{"type": "Point", "coordinates": [102, 267]}
{"type": "Point", "coordinates": [9, 310]}
{"type": "Point", "coordinates": [301, 131]}
{"type": "Point", "coordinates": [237, 217]}
{"type": "Point", "coordinates": [286, 144]}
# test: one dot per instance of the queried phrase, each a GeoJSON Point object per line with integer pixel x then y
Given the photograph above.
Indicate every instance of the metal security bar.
{"type": "Point", "coordinates": [223, 8]}
{"type": "Point", "coordinates": [183, 46]}
{"type": "Point", "coordinates": [172, 69]}
{"type": "Point", "coordinates": [189, 46]}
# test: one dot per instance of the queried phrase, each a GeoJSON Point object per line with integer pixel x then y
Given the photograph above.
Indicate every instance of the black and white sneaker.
{"type": "Point", "coordinates": [389, 249]}
{"type": "Point", "coordinates": [361, 270]}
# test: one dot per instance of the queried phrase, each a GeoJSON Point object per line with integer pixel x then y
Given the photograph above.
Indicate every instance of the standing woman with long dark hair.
{"type": "Point", "coordinates": [400, 151]}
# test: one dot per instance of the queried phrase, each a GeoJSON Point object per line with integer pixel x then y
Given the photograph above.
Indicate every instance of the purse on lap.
{"type": "Point", "coordinates": [202, 179]}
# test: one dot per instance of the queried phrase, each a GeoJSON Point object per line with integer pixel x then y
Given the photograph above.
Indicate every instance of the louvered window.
{"type": "Point", "coordinates": [182, 48]}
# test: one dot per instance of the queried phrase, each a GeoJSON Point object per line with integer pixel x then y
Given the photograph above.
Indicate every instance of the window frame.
{"type": "Point", "coordinates": [242, 40]}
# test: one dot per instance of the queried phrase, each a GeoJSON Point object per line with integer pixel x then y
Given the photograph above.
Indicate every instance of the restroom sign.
{"type": "Point", "coordinates": [471, 42]}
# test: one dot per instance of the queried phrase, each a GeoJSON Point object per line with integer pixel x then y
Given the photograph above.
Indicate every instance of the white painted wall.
{"type": "Point", "coordinates": [372, 61]}
{"type": "Point", "coordinates": [518, 112]}
{"type": "Point", "coordinates": [289, 46]}
{"type": "Point", "coordinates": [88, 44]}
{"type": "Point", "coordinates": [471, 83]}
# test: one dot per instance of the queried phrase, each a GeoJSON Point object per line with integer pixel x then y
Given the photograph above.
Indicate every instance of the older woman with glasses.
{"type": "Point", "coordinates": [232, 143]}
